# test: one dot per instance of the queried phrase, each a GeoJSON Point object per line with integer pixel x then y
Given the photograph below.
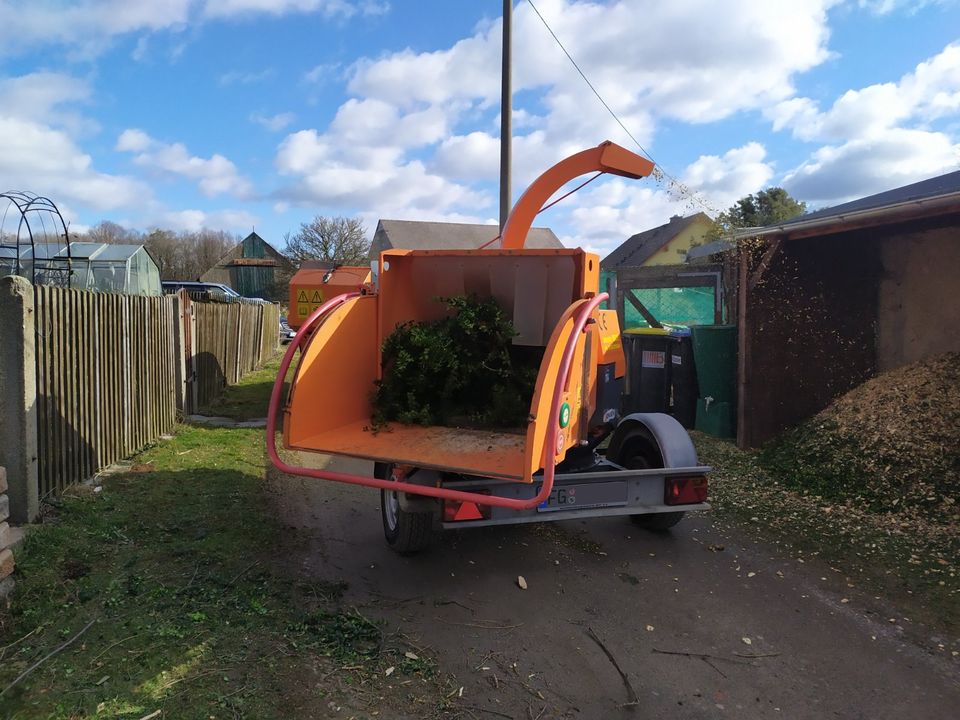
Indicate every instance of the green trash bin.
{"type": "Point", "coordinates": [715, 357]}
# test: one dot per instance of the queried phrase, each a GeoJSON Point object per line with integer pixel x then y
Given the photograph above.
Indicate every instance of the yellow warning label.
{"type": "Point", "coordinates": [308, 300]}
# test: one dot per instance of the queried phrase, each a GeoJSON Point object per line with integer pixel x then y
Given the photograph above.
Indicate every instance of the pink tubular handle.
{"type": "Point", "coordinates": [580, 321]}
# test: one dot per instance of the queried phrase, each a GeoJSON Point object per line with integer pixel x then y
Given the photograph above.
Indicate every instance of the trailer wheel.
{"type": "Point", "coordinates": [405, 532]}
{"type": "Point", "coordinates": [639, 451]}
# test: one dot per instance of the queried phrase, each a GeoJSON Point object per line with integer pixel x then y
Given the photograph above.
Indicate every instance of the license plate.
{"type": "Point", "coordinates": [588, 495]}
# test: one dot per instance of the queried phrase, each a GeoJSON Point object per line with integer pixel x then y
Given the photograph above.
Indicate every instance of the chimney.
{"type": "Point", "coordinates": [674, 218]}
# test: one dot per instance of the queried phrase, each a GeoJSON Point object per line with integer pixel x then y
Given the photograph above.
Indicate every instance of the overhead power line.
{"type": "Point", "coordinates": [659, 173]}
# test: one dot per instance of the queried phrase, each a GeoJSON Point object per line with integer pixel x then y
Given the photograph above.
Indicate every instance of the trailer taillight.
{"type": "Point", "coordinates": [685, 490]}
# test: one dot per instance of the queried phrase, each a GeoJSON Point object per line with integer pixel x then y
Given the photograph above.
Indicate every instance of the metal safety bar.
{"type": "Point", "coordinates": [580, 321]}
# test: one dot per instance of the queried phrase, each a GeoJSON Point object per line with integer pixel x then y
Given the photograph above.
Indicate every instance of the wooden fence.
{"type": "Point", "coordinates": [112, 371]}
{"type": "Point", "coordinates": [230, 340]}
{"type": "Point", "coordinates": [106, 379]}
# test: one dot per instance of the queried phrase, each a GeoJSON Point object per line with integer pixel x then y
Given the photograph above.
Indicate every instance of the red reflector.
{"type": "Point", "coordinates": [685, 490]}
{"type": "Point", "coordinates": [468, 511]}
{"type": "Point", "coordinates": [454, 511]}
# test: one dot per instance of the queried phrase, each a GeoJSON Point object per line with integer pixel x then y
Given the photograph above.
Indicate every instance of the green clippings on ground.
{"type": "Point", "coordinates": [178, 563]}
{"type": "Point", "coordinates": [248, 399]}
{"type": "Point", "coordinates": [904, 555]}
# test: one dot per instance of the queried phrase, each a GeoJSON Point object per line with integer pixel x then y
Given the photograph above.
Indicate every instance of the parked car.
{"type": "Point", "coordinates": [198, 289]}
{"type": "Point", "coordinates": [286, 332]}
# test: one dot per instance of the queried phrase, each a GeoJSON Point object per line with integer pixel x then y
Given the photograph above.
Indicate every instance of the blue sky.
{"type": "Point", "coordinates": [230, 114]}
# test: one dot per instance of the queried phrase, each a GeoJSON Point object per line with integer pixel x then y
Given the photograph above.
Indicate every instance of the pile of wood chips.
{"type": "Point", "coordinates": [893, 442]}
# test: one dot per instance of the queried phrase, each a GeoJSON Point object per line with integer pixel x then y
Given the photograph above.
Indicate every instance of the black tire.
{"type": "Point", "coordinates": [639, 451]}
{"type": "Point", "coordinates": [405, 532]}
{"type": "Point", "coordinates": [658, 522]}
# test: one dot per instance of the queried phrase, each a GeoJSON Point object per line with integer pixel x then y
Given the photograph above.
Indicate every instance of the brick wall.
{"type": "Point", "coordinates": [6, 554]}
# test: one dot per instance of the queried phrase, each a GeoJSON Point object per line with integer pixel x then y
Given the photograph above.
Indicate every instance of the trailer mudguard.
{"type": "Point", "coordinates": [672, 439]}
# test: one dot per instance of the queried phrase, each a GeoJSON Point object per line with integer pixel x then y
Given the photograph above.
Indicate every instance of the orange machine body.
{"type": "Point", "coordinates": [542, 291]}
{"type": "Point", "coordinates": [311, 287]}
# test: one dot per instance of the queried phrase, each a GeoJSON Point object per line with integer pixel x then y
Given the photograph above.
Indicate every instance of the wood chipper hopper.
{"type": "Point", "coordinates": [455, 476]}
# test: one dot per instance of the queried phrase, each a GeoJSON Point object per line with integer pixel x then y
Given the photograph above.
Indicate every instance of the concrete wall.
{"type": "Point", "coordinates": [6, 554]}
{"type": "Point", "coordinates": [919, 296]}
{"type": "Point", "coordinates": [18, 397]}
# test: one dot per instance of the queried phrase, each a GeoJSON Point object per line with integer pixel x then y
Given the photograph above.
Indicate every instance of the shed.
{"type": "Point", "coordinates": [829, 299]}
{"type": "Point", "coordinates": [85, 266]}
{"type": "Point", "coordinates": [254, 269]}
{"type": "Point", "coordinates": [418, 235]}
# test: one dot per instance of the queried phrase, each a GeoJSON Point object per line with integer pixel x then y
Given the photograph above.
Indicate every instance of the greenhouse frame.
{"type": "Point", "coordinates": [103, 267]}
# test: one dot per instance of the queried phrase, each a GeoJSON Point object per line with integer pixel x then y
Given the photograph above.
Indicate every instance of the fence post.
{"type": "Point", "coordinates": [18, 397]}
{"type": "Point", "coordinates": [181, 362]}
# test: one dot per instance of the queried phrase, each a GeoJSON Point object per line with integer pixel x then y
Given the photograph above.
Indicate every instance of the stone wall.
{"type": "Point", "coordinates": [6, 538]}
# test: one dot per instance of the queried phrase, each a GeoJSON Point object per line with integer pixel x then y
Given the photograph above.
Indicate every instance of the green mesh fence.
{"type": "Point", "coordinates": [671, 306]}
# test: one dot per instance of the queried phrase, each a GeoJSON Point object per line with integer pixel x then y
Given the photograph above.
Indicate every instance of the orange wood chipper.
{"type": "Point", "coordinates": [446, 477]}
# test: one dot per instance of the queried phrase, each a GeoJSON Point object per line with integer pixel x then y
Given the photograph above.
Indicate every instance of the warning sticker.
{"type": "Point", "coordinates": [653, 359]}
{"type": "Point", "coordinates": [308, 300]}
{"type": "Point", "coordinates": [676, 359]}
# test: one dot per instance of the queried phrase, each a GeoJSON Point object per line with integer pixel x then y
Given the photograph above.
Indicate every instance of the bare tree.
{"type": "Point", "coordinates": [164, 247]}
{"type": "Point", "coordinates": [110, 232]}
{"type": "Point", "coordinates": [208, 247]}
{"type": "Point", "coordinates": [338, 240]}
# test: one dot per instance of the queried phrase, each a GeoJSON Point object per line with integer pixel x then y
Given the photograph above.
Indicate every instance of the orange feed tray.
{"type": "Point", "coordinates": [492, 454]}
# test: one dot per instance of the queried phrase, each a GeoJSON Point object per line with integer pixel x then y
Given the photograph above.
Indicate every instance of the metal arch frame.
{"type": "Point", "coordinates": [27, 202]}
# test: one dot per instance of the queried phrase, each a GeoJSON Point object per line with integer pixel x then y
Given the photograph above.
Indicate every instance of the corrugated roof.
{"type": "Point", "coordinates": [420, 235]}
{"type": "Point", "coordinates": [925, 199]}
{"type": "Point", "coordinates": [929, 188]}
{"type": "Point", "coordinates": [637, 249]}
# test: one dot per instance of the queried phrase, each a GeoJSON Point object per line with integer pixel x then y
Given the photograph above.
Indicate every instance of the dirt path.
{"type": "Point", "coordinates": [767, 637]}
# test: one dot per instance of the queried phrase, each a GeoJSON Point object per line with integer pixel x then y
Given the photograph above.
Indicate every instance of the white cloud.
{"type": "Point", "coordinates": [329, 8]}
{"type": "Point", "coordinates": [321, 73]}
{"type": "Point", "coordinates": [44, 160]}
{"type": "Point", "coordinates": [885, 7]}
{"type": "Point", "coordinates": [133, 140]}
{"type": "Point", "coordinates": [214, 175]}
{"type": "Point", "coordinates": [238, 77]}
{"type": "Point", "coordinates": [608, 213]}
{"type": "Point", "coordinates": [88, 26]}
{"type": "Point", "coordinates": [412, 122]}
{"type": "Point", "coordinates": [47, 97]}
{"type": "Point", "coordinates": [336, 175]}
{"type": "Point", "coordinates": [192, 220]}
{"type": "Point", "coordinates": [872, 164]}
{"type": "Point", "coordinates": [878, 137]}
{"type": "Point", "coordinates": [274, 123]}
{"type": "Point", "coordinates": [931, 91]}
{"type": "Point", "coordinates": [697, 60]}
{"type": "Point", "coordinates": [725, 179]}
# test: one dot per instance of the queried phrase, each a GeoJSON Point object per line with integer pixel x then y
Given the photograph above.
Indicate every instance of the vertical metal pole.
{"type": "Point", "coordinates": [506, 110]}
